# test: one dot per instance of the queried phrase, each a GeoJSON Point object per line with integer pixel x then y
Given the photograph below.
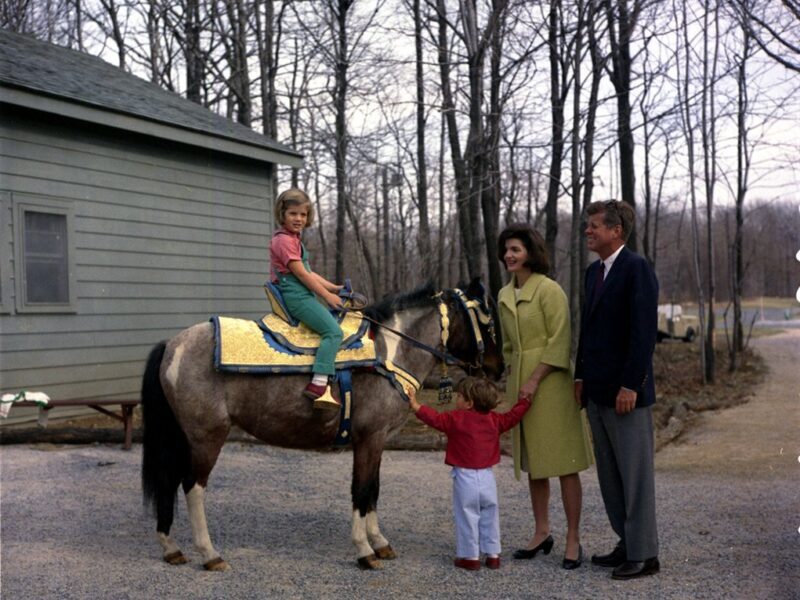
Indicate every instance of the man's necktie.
{"type": "Point", "coordinates": [598, 284]}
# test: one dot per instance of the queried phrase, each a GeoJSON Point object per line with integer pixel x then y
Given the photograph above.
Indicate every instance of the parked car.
{"type": "Point", "coordinates": [673, 324]}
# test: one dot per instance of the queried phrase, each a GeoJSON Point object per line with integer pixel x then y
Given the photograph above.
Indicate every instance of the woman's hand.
{"type": "Point", "coordinates": [528, 390]}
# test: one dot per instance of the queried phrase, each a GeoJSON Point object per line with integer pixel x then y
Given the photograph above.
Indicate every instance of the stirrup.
{"type": "Point", "coordinates": [327, 401]}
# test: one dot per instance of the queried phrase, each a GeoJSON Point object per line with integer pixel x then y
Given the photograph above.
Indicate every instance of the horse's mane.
{"type": "Point", "coordinates": [384, 309]}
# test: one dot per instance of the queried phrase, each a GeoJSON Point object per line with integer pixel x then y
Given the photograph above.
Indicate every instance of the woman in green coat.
{"type": "Point", "coordinates": [552, 439]}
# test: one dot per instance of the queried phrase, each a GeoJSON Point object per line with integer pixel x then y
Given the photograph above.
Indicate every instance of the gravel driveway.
{"type": "Point", "coordinates": [73, 525]}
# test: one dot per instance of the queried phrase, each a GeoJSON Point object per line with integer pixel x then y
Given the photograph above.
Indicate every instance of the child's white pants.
{"type": "Point", "coordinates": [476, 512]}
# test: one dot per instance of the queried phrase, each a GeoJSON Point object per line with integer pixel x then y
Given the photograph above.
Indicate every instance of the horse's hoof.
{"type": "Point", "coordinates": [217, 564]}
{"type": "Point", "coordinates": [385, 553]}
{"type": "Point", "coordinates": [176, 558]}
{"type": "Point", "coordinates": [369, 563]}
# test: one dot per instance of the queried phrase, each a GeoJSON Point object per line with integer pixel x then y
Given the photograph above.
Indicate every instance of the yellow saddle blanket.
{"type": "Point", "coordinates": [271, 345]}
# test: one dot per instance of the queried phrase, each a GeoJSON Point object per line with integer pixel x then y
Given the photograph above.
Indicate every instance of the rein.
{"type": "Point", "coordinates": [445, 357]}
{"type": "Point", "coordinates": [475, 314]}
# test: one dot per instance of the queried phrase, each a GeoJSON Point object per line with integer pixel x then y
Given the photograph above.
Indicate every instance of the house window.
{"type": "Point", "coordinates": [46, 264]}
{"type": "Point", "coordinates": [45, 257]}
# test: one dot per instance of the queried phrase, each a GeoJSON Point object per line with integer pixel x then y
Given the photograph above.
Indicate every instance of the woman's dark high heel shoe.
{"type": "Point", "coordinates": [570, 564]}
{"type": "Point", "coordinates": [545, 546]}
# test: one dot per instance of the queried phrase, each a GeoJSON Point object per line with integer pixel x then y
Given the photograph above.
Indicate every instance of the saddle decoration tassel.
{"type": "Point", "coordinates": [445, 382]}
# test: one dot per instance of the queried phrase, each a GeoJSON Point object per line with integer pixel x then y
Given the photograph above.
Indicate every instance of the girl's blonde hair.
{"type": "Point", "coordinates": [292, 197]}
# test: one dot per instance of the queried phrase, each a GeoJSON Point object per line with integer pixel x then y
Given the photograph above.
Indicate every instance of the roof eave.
{"type": "Point", "coordinates": [142, 125]}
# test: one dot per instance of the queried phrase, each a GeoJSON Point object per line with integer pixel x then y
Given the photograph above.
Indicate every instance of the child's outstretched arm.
{"type": "Point", "coordinates": [426, 414]}
{"type": "Point", "coordinates": [313, 283]}
{"type": "Point", "coordinates": [412, 399]}
{"type": "Point", "coordinates": [508, 419]}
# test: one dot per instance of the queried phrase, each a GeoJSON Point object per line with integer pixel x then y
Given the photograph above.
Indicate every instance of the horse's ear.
{"type": "Point", "coordinates": [476, 289]}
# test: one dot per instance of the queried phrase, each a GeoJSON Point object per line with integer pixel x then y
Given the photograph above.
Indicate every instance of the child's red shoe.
{"type": "Point", "coordinates": [492, 562]}
{"type": "Point", "coordinates": [470, 564]}
{"type": "Point", "coordinates": [314, 391]}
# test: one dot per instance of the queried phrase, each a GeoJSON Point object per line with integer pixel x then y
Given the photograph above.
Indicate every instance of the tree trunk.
{"type": "Point", "coordinates": [387, 242]}
{"type": "Point", "coordinates": [710, 171]}
{"type": "Point", "coordinates": [424, 234]}
{"type": "Point", "coordinates": [340, 106]}
{"type": "Point", "coordinates": [195, 71]}
{"type": "Point", "coordinates": [588, 142]}
{"type": "Point", "coordinates": [490, 201]}
{"type": "Point", "coordinates": [557, 128]}
{"type": "Point", "coordinates": [742, 177]}
{"type": "Point", "coordinates": [575, 230]}
{"type": "Point", "coordinates": [621, 24]}
{"type": "Point", "coordinates": [448, 108]}
{"type": "Point", "coordinates": [686, 111]}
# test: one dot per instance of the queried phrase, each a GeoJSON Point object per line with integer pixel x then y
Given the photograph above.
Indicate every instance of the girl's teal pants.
{"type": "Point", "coordinates": [303, 306]}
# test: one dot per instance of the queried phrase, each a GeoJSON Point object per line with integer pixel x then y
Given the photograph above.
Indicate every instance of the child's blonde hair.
{"type": "Point", "coordinates": [292, 197]}
{"type": "Point", "coordinates": [481, 392]}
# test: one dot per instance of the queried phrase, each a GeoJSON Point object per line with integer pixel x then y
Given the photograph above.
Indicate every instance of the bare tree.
{"type": "Point", "coordinates": [774, 26]}
{"type": "Point", "coordinates": [424, 234]}
{"type": "Point", "coordinates": [473, 166]}
{"type": "Point", "coordinates": [708, 126]}
{"type": "Point", "coordinates": [575, 188]}
{"type": "Point", "coordinates": [622, 22]}
{"type": "Point", "coordinates": [684, 95]}
{"type": "Point", "coordinates": [743, 159]}
{"type": "Point", "coordinates": [559, 88]}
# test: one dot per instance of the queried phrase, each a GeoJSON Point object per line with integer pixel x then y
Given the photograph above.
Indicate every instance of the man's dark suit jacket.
{"type": "Point", "coordinates": [618, 332]}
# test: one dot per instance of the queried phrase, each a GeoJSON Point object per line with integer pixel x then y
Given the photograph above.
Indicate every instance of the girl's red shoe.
{"type": "Point", "coordinates": [492, 562]}
{"type": "Point", "coordinates": [314, 391]}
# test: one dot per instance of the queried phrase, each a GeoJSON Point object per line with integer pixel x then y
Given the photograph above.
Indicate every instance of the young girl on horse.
{"type": "Point", "coordinates": [473, 447]}
{"type": "Point", "coordinates": [299, 284]}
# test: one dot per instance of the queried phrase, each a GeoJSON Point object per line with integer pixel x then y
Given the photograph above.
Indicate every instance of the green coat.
{"type": "Point", "coordinates": [536, 329]}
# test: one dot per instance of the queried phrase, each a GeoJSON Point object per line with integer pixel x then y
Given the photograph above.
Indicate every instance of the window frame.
{"type": "Point", "coordinates": [6, 264]}
{"type": "Point", "coordinates": [53, 206]}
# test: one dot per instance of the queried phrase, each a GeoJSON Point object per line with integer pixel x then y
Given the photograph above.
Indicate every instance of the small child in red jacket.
{"type": "Point", "coordinates": [473, 448]}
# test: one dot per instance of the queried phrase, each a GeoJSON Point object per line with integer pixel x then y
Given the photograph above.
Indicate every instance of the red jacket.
{"type": "Point", "coordinates": [473, 438]}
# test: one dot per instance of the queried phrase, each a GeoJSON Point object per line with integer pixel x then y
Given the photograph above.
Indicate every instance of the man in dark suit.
{"type": "Point", "coordinates": [614, 380]}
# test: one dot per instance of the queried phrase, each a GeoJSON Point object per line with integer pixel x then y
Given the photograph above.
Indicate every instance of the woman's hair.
{"type": "Point", "coordinates": [538, 259]}
{"type": "Point", "coordinates": [615, 212]}
{"type": "Point", "coordinates": [481, 392]}
{"type": "Point", "coordinates": [292, 197]}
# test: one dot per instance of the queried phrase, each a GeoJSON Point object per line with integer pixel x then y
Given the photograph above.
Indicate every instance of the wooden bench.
{"type": "Point", "coordinates": [125, 415]}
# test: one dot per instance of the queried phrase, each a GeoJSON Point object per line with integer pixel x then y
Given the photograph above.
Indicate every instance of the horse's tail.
{"type": "Point", "coordinates": [165, 452]}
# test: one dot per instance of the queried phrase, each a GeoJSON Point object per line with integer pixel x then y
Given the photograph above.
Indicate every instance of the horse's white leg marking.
{"type": "Point", "coordinates": [376, 539]}
{"type": "Point", "coordinates": [358, 535]}
{"type": "Point", "coordinates": [197, 517]}
{"type": "Point", "coordinates": [174, 366]}
{"type": "Point", "coordinates": [168, 544]}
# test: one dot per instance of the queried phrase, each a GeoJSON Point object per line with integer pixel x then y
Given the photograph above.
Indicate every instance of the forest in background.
{"type": "Point", "coordinates": [427, 125]}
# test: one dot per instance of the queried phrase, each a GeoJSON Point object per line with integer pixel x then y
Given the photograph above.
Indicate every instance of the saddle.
{"type": "Point", "coordinates": [351, 300]}
{"type": "Point", "coordinates": [277, 343]}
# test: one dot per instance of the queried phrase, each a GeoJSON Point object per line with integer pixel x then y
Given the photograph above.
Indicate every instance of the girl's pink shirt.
{"type": "Point", "coordinates": [284, 248]}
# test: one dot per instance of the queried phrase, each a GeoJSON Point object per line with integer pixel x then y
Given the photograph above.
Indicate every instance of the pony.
{"type": "Point", "coordinates": [189, 408]}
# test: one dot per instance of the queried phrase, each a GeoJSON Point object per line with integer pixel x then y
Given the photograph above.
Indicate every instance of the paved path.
{"type": "Point", "coordinates": [727, 494]}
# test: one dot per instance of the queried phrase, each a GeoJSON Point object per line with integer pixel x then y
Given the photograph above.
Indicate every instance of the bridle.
{"type": "Point", "coordinates": [477, 313]}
